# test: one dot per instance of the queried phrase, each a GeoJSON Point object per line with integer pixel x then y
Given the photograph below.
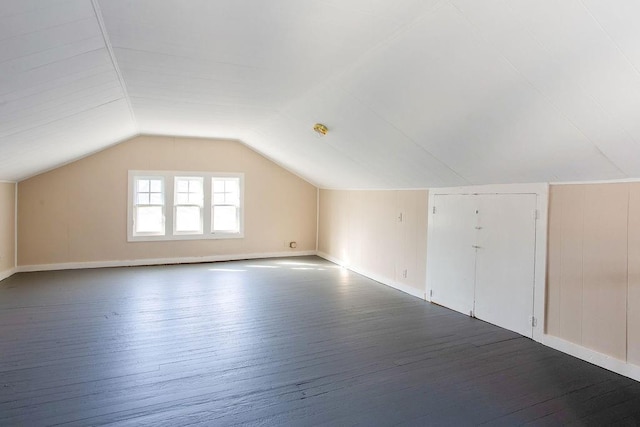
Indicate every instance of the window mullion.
{"type": "Point", "coordinates": [207, 210]}
{"type": "Point", "coordinates": [169, 203]}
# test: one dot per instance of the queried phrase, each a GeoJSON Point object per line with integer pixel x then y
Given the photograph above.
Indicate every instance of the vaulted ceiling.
{"type": "Point", "coordinates": [416, 93]}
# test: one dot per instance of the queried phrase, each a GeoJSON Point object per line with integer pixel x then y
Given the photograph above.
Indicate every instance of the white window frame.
{"type": "Point", "coordinates": [169, 206]}
{"type": "Point", "coordinates": [200, 231]}
{"type": "Point", "coordinates": [239, 207]}
{"type": "Point", "coordinates": [133, 205]}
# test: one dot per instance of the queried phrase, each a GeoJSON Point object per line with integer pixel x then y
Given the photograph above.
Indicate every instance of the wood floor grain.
{"type": "Point", "coordinates": [294, 341]}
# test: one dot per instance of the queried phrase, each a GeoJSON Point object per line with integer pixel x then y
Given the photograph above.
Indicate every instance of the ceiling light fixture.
{"type": "Point", "coordinates": [320, 129]}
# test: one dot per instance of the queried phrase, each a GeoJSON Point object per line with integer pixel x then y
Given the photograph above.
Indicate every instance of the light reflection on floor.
{"type": "Point", "coordinates": [290, 265]}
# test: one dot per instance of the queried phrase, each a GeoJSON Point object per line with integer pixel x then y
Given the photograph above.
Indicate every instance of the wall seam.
{"type": "Point", "coordinates": [317, 217]}
{"type": "Point", "coordinates": [15, 226]}
{"type": "Point", "coordinates": [107, 42]}
{"type": "Point", "coordinates": [584, 200]}
{"type": "Point", "coordinates": [626, 320]}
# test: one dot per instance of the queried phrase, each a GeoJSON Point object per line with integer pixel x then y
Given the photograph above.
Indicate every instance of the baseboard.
{"type": "Point", "coordinates": [159, 261]}
{"type": "Point", "coordinates": [374, 276]}
{"type": "Point", "coordinates": [8, 273]}
{"type": "Point", "coordinates": [599, 359]}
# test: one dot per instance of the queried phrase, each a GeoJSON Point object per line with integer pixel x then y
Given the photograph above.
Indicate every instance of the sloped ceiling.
{"type": "Point", "coordinates": [416, 93]}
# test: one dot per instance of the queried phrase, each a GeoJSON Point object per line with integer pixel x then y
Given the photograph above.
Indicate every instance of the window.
{"type": "Point", "coordinates": [225, 209]}
{"type": "Point", "coordinates": [167, 205]}
{"type": "Point", "coordinates": [188, 205]}
{"type": "Point", "coordinates": [148, 217]}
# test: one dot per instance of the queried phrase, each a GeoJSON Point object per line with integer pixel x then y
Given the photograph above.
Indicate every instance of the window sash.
{"type": "Point", "coordinates": [138, 228]}
{"type": "Point", "coordinates": [228, 189]}
{"type": "Point", "coordinates": [194, 185]}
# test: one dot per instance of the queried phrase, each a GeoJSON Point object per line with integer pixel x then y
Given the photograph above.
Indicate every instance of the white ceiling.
{"type": "Point", "coordinates": [416, 93]}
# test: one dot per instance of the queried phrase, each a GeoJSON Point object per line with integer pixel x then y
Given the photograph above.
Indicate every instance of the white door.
{"type": "Point", "coordinates": [505, 260]}
{"type": "Point", "coordinates": [451, 262]}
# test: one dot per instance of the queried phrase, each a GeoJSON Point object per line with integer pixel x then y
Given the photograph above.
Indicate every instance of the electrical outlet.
{"type": "Point", "coordinates": [293, 245]}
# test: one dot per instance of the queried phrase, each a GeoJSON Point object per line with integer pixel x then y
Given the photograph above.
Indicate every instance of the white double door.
{"type": "Point", "coordinates": [482, 257]}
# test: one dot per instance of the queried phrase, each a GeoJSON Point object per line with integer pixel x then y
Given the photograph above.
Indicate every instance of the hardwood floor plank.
{"type": "Point", "coordinates": [295, 341]}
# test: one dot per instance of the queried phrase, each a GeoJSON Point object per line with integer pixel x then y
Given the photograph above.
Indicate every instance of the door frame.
{"type": "Point", "coordinates": [541, 190]}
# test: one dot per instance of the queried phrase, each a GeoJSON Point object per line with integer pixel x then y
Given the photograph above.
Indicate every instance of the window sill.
{"type": "Point", "coordinates": [182, 237]}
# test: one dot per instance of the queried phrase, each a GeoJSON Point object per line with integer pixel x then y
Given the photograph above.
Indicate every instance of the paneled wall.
{"type": "Point", "coordinates": [379, 233]}
{"type": "Point", "coordinates": [7, 228]}
{"type": "Point", "coordinates": [78, 212]}
{"type": "Point", "coordinates": [593, 294]}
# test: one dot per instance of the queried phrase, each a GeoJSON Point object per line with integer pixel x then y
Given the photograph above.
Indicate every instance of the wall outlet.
{"type": "Point", "coordinates": [293, 245]}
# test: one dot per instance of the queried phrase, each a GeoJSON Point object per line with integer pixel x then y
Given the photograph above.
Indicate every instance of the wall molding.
{"type": "Point", "coordinates": [158, 261]}
{"type": "Point", "coordinates": [599, 359]}
{"type": "Point", "coordinates": [374, 276]}
{"type": "Point", "coordinates": [597, 181]}
{"type": "Point", "coordinates": [7, 273]}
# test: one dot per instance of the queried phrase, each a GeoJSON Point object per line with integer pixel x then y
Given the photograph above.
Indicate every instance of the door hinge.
{"type": "Point", "coordinates": [534, 321]}
{"type": "Point", "coordinates": [430, 293]}
{"type": "Point", "coordinates": [536, 214]}
{"type": "Point", "coordinates": [434, 209]}
{"type": "Point", "coordinates": [400, 217]}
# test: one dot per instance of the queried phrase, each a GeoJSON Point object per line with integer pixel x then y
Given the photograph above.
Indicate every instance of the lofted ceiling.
{"type": "Point", "coordinates": [416, 93]}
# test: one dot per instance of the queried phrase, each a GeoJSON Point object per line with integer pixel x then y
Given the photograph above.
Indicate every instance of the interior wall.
{"type": "Point", "coordinates": [382, 234]}
{"type": "Point", "coordinates": [593, 297]}
{"type": "Point", "coordinates": [78, 213]}
{"type": "Point", "coordinates": [7, 228]}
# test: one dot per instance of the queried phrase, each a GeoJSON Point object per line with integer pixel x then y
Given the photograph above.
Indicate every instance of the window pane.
{"type": "Point", "coordinates": [233, 199]}
{"type": "Point", "coordinates": [156, 199]}
{"type": "Point", "coordinates": [218, 185]}
{"type": "Point", "coordinates": [195, 199]}
{"type": "Point", "coordinates": [195, 186]}
{"type": "Point", "coordinates": [218, 199]}
{"type": "Point", "coordinates": [143, 185]}
{"type": "Point", "coordinates": [182, 198]}
{"type": "Point", "coordinates": [155, 185]}
{"type": "Point", "coordinates": [149, 220]}
{"type": "Point", "coordinates": [182, 185]}
{"type": "Point", "coordinates": [233, 185]}
{"type": "Point", "coordinates": [143, 199]}
{"type": "Point", "coordinates": [225, 218]}
{"type": "Point", "coordinates": [188, 219]}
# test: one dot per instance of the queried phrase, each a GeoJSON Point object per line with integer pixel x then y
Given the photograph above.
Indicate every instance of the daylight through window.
{"type": "Point", "coordinates": [182, 206]}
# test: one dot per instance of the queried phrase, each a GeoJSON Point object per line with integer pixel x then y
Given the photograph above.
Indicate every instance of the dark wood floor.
{"type": "Point", "coordinates": [275, 342]}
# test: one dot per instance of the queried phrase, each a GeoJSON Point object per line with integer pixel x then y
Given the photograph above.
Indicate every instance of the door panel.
{"type": "Point", "coordinates": [505, 261]}
{"type": "Point", "coordinates": [452, 258]}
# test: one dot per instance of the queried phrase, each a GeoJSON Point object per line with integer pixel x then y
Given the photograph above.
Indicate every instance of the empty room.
{"type": "Point", "coordinates": [320, 212]}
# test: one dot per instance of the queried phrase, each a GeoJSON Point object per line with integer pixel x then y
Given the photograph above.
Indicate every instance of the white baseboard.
{"type": "Point", "coordinates": [159, 261]}
{"type": "Point", "coordinates": [8, 273]}
{"type": "Point", "coordinates": [375, 276]}
{"type": "Point", "coordinates": [599, 359]}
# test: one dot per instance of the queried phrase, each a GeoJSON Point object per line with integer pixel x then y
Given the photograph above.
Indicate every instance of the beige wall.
{"type": "Point", "coordinates": [7, 227]}
{"type": "Point", "coordinates": [593, 288]}
{"type": "Point", "coordinates": [78, 212]}
{"type": "Point", "coordinates": [362, 230]}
